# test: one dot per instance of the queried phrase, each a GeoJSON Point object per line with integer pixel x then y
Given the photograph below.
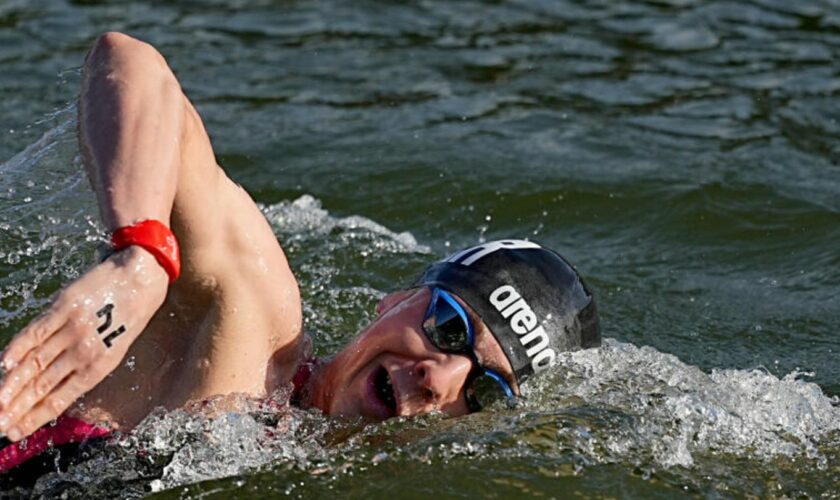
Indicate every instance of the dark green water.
{"type": "Point", "coordinates": [683, 154]}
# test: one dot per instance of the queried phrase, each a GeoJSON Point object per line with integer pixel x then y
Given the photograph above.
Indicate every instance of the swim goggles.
{"type": "Point", "coordinates": [448, 327]}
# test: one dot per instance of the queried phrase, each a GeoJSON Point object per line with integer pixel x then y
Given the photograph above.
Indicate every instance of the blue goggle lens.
{"type": "Point", "coordinates": [448, 327]}
{"type": "Point", "coordinates": [445, 326]}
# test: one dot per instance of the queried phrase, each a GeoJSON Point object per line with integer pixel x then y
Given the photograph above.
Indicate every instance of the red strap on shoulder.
{"type": "Point", "coordinates": [154, 237]}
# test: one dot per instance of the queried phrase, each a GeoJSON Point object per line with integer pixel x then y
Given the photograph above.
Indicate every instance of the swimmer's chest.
{"type": "Point", "coordinates": [191, 350]}
{"type": "Point", "coordinates": [222, 347]}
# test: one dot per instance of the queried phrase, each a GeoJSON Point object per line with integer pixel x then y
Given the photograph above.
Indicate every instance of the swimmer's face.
{"type": "Point", "coordinates": [391, 368]}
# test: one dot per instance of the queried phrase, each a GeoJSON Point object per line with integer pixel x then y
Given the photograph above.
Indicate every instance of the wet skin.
{"type": "Point", "coordinates": [424, 379]}
{"type": "Point", "coordinates": [232, 323]}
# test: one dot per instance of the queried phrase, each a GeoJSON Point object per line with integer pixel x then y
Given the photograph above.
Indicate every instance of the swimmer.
{"type": "Point", "coordinates": [197, 293]}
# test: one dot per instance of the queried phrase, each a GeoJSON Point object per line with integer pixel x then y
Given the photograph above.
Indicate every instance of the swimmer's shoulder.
{"type": "Point", "coordinates": [246, 269]}
{"type": "Point", "coordinates": [237, 306]}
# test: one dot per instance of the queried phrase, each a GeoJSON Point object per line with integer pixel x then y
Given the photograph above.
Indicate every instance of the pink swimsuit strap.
{"type": "Point", "coordinates": [300, 379]}
{"type": "Point", "coordinates": [66, 430]}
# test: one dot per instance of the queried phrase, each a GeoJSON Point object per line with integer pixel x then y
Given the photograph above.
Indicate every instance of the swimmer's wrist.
{"type": "Point", "coordinates": [156, 238]}
{"type": "Point", "coordinates": [145, 269]}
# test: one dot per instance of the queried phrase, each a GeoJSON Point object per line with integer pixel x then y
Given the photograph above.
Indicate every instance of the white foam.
{"type": "Point", "coordinates": [678, 410]}
{"type": "Point", "coordinates": [305, 218]}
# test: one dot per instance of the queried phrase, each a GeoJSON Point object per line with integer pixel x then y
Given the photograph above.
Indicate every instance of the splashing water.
{"type": "Point", "coordinates": [48, 228]}
{"type": "Point", "coordinates": [343, 265]}
{"type": "Point", "coordinates": [619, 404]}
{"type": "Point", "coordinates": [675, 410]}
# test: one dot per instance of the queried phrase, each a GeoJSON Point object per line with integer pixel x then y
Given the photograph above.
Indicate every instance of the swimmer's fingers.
{"type": "Point", "coordinates": [35, 334]}
{"type": "Point", "coordinates": [30, 368]}
{"type": "Point", "coordinates": [83, 362]}
{"type": "Point", "coordinates": [74, 348]}
{"type": "Point", "coordinates": [37, 393]}
{"type": "Point", "coordinates": [49, 408]}
{"type": "Point", "coordinates": [29, 352]}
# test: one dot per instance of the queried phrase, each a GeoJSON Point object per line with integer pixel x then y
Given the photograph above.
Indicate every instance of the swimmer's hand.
{"type": "Point", "coordinates": [79, 340]}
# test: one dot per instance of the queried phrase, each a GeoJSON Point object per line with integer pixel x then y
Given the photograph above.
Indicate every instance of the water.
{"type": "Point", "coordinates": [682, 153]}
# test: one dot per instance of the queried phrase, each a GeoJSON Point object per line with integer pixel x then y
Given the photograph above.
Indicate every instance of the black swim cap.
{"type": "Point", "coordinates": [534, 302]}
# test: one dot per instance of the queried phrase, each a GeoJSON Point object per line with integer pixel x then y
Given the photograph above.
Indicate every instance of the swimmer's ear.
{"type": "Point", "coordinates": [392, 299]}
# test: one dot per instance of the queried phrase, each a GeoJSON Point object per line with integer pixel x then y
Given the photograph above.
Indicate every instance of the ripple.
{"type": "Point", "coordinates": [681, 36]}
{"type": "Point", "coordinates": [714, 128]}
{"type": "Point", "coordinates": [636, 90]}
{"type": "Point", "coordinates": [800, 82]}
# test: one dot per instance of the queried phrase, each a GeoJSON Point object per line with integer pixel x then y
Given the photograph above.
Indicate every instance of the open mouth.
{"type": "Point", "coordinates": [385, 390]}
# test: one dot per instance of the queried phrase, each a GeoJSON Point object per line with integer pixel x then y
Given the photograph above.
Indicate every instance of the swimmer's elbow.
{"type": "Point", "coordinates": [114, 40]}
{"type": "Point", "coordinates": [115, 51]}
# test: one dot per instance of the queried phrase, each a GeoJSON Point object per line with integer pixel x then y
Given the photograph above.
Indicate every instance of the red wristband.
{"type": "Point", "coordinates": [154, 237]}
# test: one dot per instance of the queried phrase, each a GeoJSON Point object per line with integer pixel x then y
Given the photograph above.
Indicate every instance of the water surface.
{"type": "Point", "coordinates": [683, 154]}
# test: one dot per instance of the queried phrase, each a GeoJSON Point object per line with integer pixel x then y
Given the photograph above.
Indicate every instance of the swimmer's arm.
{"type": "Point", "coordinates": [130, 128]}
{"type": "Point", "coordinates": [131, 124]}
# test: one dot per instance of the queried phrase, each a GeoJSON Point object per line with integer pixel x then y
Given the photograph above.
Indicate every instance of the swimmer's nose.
{"type": "Point", "coordinates": [440, 381]}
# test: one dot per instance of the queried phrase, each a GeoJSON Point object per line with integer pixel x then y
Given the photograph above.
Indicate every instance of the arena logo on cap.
{"type": "Point", "coordinates": [524, 322]}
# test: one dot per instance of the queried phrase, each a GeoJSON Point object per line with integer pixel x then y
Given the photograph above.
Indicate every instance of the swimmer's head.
{"type": "Point", "coordinates": [522, 305]}
{"type": "Point", "coordinates": [533, 301]}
